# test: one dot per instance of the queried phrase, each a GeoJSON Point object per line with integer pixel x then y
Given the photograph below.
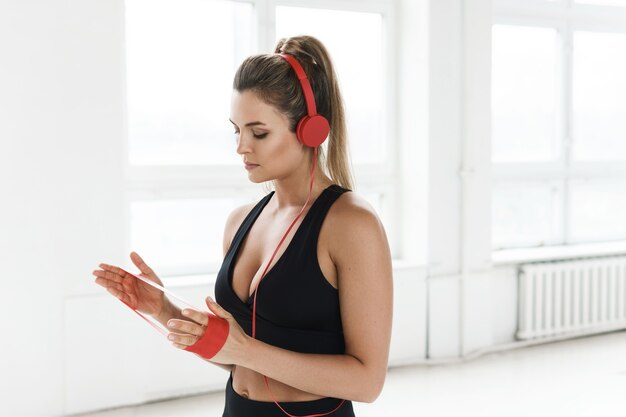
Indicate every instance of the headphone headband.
{"type": "Point", "coordinates": [304, 82]}
{"type": "Point", "coordinates": [313, 129]}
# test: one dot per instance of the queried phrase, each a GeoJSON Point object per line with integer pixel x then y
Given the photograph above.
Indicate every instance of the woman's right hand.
{"type": "Point", "coordinates": [134, 292]}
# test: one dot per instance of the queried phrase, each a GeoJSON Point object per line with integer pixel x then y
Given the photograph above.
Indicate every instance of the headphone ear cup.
{"type": "Point", "coordinates": [312, 131]}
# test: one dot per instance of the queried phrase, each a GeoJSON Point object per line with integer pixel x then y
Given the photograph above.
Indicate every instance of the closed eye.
{"type": "Point", "coordinates": [256, 135]}
{"type": "Point", "coordinates": [259, 136]}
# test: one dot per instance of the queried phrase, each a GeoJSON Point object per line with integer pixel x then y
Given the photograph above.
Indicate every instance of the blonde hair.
{"type": "Point", "coordinates": [274, 81]}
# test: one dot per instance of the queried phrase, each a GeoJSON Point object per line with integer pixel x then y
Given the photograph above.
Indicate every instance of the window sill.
{"type": "Point", "coordinates": [517, 256]}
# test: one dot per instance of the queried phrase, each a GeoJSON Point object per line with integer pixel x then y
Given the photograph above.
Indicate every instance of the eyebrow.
{"type": "Point", "coordinates": [257, 123]}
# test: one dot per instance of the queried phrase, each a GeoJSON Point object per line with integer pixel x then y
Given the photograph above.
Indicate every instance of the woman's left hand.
{"type": "Point", "coordinates": [185, 333]}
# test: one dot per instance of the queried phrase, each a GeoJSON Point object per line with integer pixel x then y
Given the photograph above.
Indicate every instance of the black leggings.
{"type": "Point", "coordinates": [238, 406]}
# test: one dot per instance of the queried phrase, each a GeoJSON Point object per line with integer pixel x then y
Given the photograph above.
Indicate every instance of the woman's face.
{"type": "Point", "coordinates": [264, 139]}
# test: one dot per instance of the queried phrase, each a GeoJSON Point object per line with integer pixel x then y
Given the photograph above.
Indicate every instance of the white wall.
{"type": "Point", "coordinates": [67, 346]}
{"type": "Point", "coordinates": [61, 136]}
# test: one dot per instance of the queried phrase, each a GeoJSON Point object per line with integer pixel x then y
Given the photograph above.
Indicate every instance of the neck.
{"type": "Point", "coordinates": [291, 192]}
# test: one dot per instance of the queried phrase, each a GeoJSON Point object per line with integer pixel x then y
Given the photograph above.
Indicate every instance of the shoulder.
{"type": "Point", "coordinates": [353, 222]}
{"type": "Point", "coordinates": [353, 210]}
{"type": "Point", "coordinates": [233, 222]}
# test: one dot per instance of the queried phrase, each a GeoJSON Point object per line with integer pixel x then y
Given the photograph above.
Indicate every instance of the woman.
{"type": "Point", "coordinates": [322, 329]}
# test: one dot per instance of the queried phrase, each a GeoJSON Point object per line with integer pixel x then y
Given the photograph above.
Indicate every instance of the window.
{"type": "Point", "coordinates": [180, 58]}
{"type": "Point", "coordinates": [525, 92]}
{"type": "Point", "coordinates": [558, 122]}
{"type": "Point", "coordinates": [598, 209]}
{"type": "Point", "coordinates": [599, 88]}
{"type": "Point", "coordinates": [184, 176]}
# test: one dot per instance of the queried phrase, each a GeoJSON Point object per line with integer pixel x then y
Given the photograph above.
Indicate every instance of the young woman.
{"type": "Point", "coordinates": [320, 336]}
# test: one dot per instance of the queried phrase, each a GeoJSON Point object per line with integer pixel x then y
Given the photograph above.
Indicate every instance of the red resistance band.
{"type": "Point", "coordinates": [214, 336]}
{"type": "Point", "coordinates": [217, 329]}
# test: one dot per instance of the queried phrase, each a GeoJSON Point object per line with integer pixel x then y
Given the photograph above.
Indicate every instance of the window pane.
{"type": "Point", "coordinates": [524, 215]}
{"type": "Point", "coordinates": [597, 211]}
{"type": "Point", "coordinates": [181, 59]}
{"type": "Point", "coordinates": [599, 88]}
{"type": "Point", "coordinates": [604, 2]}
{"type": "Point", "coordinates": [181, 236]}
{"type": "Point", "coordinates": [358, 60]}
{"type": "Point", "coordinates": [524, 91]}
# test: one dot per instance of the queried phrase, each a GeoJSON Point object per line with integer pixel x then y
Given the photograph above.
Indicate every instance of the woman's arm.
{"type": "Point", "coordinates": [339, 376]}
{"type": "Point", "coordinates": [360, 251]}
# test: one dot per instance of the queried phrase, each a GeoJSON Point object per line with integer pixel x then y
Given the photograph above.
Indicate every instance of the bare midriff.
{"type": "Point", "coordinates": [250, 384]}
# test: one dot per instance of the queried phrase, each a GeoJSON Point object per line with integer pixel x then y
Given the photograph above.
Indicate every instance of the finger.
{"type": "Point", "coordinates": [179, 346]}
{"type": "Point", "coordinates": [196, 316]}
{"type": "Point", "coordinates": [182, 339]}
{"type": "Point", "coordinates": [109, 284]}
{"type": "Point", "coordinates": [108, 276]}
{"type": "Point", "coordinates": [186, 326]}
{"type": "Point", "coordinates": [126, 279]}
{"type": "Point", "coordinates": [107, 267]}
{"type": "Point", "coordinates": [139, 262]}
{"type": "Point", "coordinates": [112, 271]}
{"type": "Point", "coordinates": [217, 309]}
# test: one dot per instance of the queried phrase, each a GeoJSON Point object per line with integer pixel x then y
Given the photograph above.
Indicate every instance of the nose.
{"type": "Point", "coordinates": [243, 144]}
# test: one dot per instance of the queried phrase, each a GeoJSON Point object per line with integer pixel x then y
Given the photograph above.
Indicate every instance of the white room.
{"type": "Point", "coordinates": [487, 136]}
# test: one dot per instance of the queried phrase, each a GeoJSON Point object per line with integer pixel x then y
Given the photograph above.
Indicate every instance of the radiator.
{"type": "Point", "coordinates": [571, 296]}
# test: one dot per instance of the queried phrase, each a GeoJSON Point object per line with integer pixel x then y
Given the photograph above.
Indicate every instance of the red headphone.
{"type": "Point", "coordinates": [312, 129]}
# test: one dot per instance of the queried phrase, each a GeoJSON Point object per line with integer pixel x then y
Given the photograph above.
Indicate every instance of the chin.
{"type": "Point", "coordinates": [257, 179]}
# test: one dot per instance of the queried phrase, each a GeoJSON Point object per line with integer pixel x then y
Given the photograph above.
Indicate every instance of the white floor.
{"type": "Point", "coordinates": [584, 377]}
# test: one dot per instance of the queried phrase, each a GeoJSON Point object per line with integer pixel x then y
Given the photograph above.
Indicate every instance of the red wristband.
{"type": "Point", "coordinates": [213, 339]}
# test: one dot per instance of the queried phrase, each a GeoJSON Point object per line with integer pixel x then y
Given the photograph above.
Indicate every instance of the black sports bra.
{"type": "Point", "coordinates": [297, 308]}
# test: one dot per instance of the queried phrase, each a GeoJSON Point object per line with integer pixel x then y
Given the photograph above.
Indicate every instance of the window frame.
{"type": "Point", "coordinates": [566, 17]}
